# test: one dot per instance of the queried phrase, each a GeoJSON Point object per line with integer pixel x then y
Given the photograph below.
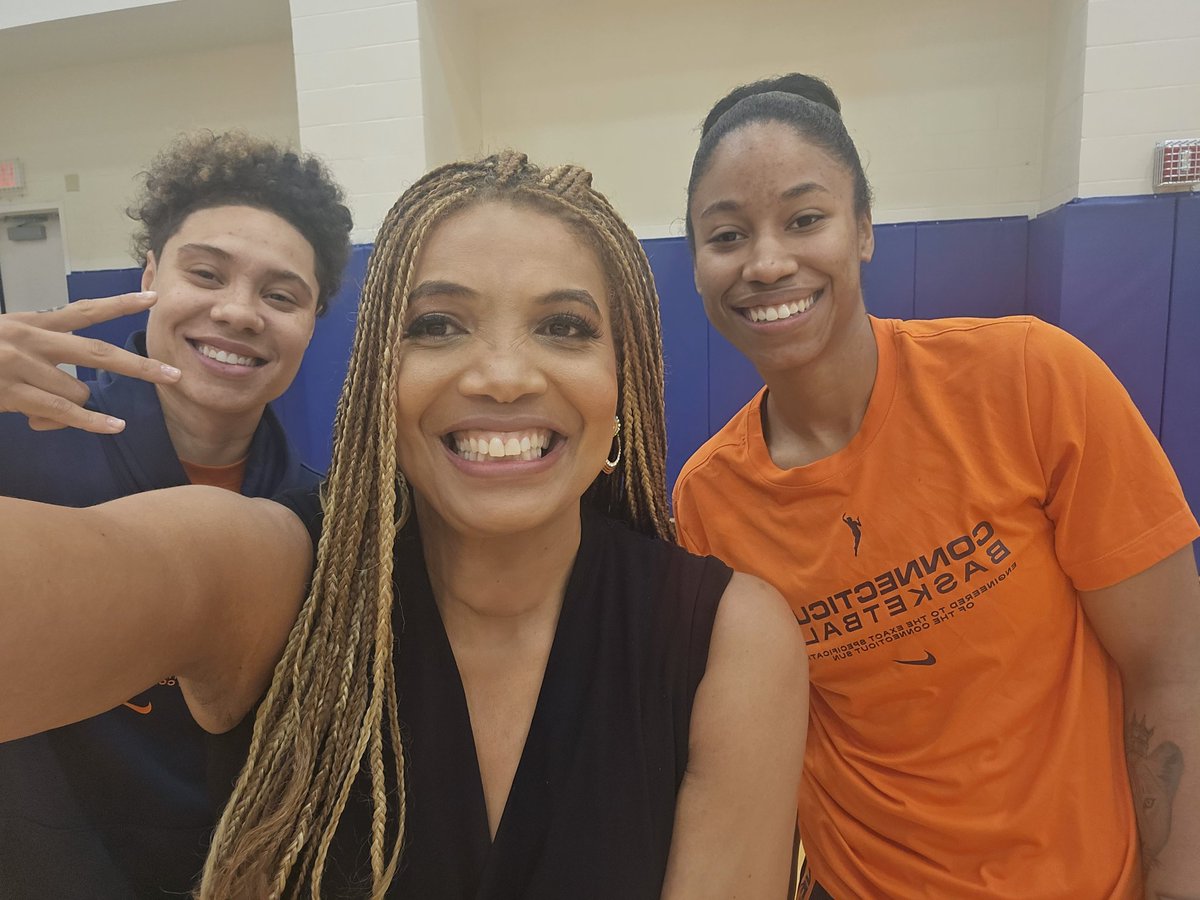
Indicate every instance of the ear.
{"type": "Point", "coordinates": [866, 238]}
{"type": "Point", "coordinates": [150, 271]}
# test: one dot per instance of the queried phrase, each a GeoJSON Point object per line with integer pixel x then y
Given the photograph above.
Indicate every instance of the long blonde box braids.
{"type": "Point", "coordinates": [332, 704]}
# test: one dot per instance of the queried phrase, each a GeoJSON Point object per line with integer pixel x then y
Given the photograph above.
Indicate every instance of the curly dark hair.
{"type": "Point", "coordinates": [200, 170]}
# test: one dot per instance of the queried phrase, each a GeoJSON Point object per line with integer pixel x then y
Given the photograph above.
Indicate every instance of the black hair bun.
{"type": "Point", "coordinates": [807, 86]}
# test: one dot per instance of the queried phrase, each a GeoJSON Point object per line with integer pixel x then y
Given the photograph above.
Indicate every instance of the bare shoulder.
{"type": "Point", "coordinates": [756, 628]}
{"type": "Point", "coordinates": [736, 811]}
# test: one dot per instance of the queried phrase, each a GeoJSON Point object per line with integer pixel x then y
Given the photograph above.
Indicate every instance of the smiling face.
{"type": "Point", "coordinates": [236, 306]}
{"type": "Point", "coordinates": [506, 385]}
{"type": "Point", "coordinates": [778, 247]}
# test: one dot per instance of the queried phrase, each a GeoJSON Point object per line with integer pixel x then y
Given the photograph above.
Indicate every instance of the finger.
{"type": "Point", "coordinates": [53, 380]}
{"type": "Point", "coordinates": [83, 313]}
{"type": "Point", "coordinates": [98, 354]}
{"type": "Point", "coordinates": [46, 410]}
{"type": "Point", "coordinates": [45, 424]}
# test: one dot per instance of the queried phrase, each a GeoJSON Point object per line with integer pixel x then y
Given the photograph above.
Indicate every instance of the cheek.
{"type": "Point", "coordinates": [712, 276]}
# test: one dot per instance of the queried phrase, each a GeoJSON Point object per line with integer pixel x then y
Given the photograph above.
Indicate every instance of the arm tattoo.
{"type": "Point", "coordinates": [1154, 776]}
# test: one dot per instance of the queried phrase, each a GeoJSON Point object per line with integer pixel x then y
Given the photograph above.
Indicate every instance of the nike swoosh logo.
{"type": "Point", "coordinates": [141, 710]}
{"type": "Point", "coordinates": [929, 660]}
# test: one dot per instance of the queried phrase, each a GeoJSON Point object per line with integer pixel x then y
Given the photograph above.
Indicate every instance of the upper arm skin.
{"type": "Point", "coordinates": [1150, 623]}
{"type": "Point", "coordinates": [736, 813]}
{"type": "Point", "coordinates": [100, 603]}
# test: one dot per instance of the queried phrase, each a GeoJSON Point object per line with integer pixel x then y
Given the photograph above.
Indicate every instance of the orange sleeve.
{"type": "Point", "coordinates": [688, 529]}
{"type": "Point", "coordinates": [1116, 504]}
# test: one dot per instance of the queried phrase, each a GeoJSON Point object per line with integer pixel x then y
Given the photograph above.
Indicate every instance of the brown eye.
{"type": "Point", "coordinates": [568, 326]}
{"type": "Point", "coordinates": [432, 325]}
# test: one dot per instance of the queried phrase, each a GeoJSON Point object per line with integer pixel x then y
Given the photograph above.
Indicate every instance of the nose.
{"type": "Point", "coordinates": [239, 307]}
{"type": "Point", "coordinates": [768, 262]}
{"type": "Point", "coordinates": [503, 374]}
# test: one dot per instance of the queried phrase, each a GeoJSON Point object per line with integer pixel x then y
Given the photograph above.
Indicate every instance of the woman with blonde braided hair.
{"type": "Point", "coordinates": [505, 681]}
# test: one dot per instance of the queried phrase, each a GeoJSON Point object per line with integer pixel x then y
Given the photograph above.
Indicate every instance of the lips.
{"type": "Point", "coordinates": [780, 310]}
{"type": "Point", "coordinates": [228, 357]}
{"type": "Point", "coordinates": [486, 445]}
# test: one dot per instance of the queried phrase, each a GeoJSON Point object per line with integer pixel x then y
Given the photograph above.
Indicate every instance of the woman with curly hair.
{"type": "Point", "coordinates": [503, 679]}
{"type": "Point", "coordinates": [243, 243]}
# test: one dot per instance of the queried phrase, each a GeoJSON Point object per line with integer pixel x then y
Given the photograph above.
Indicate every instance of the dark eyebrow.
{"type": "Point", "coordinates": [441, 288]}
{"type": "Point", "coordinates": [798, 190]}
{"type": "Point", "coordinates": [571, 295]}
{"type": "Point", "coordinates": [434, 288]}
{"type": "Point", "coordinates": [272, 274]}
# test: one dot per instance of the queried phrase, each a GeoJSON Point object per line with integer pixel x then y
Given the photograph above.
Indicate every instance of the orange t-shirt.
{"type": "Point", "coordinates": [965, 738]}
{"type": "Point", "coordinates": [229, 477]}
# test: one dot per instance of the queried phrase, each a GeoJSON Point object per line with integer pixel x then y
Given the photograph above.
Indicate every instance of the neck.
{"type": "Point", "coordinates": [814, 411]}
{"type": "Point", "coordinates": [206, 437]}
{"type": "Point", "coordinates": [489, 585]}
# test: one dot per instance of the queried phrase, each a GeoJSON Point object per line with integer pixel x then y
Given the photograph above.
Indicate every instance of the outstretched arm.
{"type": "Point", "coordinates": [736, 815]}
{"type": "Point", "coordinates": [32, 345]}
{"type": "Point", "coordinates": [99, 603]}
{"type": "Point", "coordinates": [1150, 625]}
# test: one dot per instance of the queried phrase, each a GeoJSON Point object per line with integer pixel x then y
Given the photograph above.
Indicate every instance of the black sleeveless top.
{"type": "Point", "coordinates": [592, 805]}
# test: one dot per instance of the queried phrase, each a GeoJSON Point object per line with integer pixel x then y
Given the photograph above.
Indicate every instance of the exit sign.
{"type": "Point", "coordinates": [11, 176]}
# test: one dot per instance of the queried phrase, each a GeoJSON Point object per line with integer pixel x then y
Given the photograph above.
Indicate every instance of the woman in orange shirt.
{"type": "Point", "coordinates": [986, 548]}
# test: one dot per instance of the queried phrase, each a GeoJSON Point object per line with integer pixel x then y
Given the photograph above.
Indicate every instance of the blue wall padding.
{"type": "Point", "coordinates": [1123, 274]}
{"type": "Point", "coordinates": [1181, 391]}
{"type": "Point", "coordinates": [731, 382]}
{"type": "Point", "coordinates": [307, 408]}
{"type": "Point", "coordinates": [974, 267]}
{"type": "Point", "coordinates": [889, 279]}
{"type": "Point", "coordinates": [106, 283]}
{"type": "Point", "coordinates": [685, 350]}
{"type": "Point", "coordinates": [1117, 288]}
{"type": "Point", "coordinates": [1044, 271]}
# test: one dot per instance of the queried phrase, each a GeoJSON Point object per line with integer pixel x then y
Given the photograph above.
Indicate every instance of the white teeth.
{"type": "Point", "coordinates": [782, 311]}
{"type": "Point", "coordinates": [480, 446]}
{"type": "Point", "coordinates": [225, 357]}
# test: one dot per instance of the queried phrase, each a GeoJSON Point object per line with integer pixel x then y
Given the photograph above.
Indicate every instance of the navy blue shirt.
{"type": "Point", "coordinates": [115, 806]}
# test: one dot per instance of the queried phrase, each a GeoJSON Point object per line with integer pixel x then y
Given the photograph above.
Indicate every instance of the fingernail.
{"type": "Point", "coordinates": [147, 295]}
{"type": "Point", "coordinates": [170, 371]}
{"type": "Point", "coordinates": [114, 423]}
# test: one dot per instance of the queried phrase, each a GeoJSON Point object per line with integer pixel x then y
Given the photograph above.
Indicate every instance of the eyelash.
{"type": "Point", "coordinates": [582, 328]}
{"type": "Point", "coordinates": [730, 237]}
{"type": "Point", "coordinates": [421, 326]}
{"type": "Point", "coordinates": [578, 328]}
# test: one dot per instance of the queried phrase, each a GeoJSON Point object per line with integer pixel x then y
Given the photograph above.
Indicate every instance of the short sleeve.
{"type": "Point", "coordinates": [688, 527]}
{"type": "Point", "coordinates": [1115, 501]}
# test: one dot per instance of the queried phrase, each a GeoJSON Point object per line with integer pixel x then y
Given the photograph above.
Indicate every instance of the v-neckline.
{"type": "Point", "coordinates": [559, 683]}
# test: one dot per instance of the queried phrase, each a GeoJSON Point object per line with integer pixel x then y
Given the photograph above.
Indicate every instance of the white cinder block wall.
{"type": "Point", "coordinates": [1063, 122]}
{"type": "Point", "coordinates": [450, 80]}
{"type": "Point", "coordinates": [961, 107]}
{"type": "Point", "coordinates": [359, 99]}
{"type": "Point", "coordinates": [944, 97]}
{"type": "Point", "coordinates": [1141, 84]}
{"type": "Point", "coordinates": [103, 122]}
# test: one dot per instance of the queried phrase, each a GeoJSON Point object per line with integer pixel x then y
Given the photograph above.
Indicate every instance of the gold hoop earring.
{"type": "Point", "coordinates": [610, 465]}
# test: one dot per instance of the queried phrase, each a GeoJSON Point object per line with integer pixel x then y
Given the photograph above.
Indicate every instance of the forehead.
{"type": "Point", "coordinates": [508, 247]}
{"type": "Point", "coordinates": [764, 155]}
{"type": "Point", "coordinates": [249, 225]}
{"type": "Point", "coordinates": [249, 234]}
